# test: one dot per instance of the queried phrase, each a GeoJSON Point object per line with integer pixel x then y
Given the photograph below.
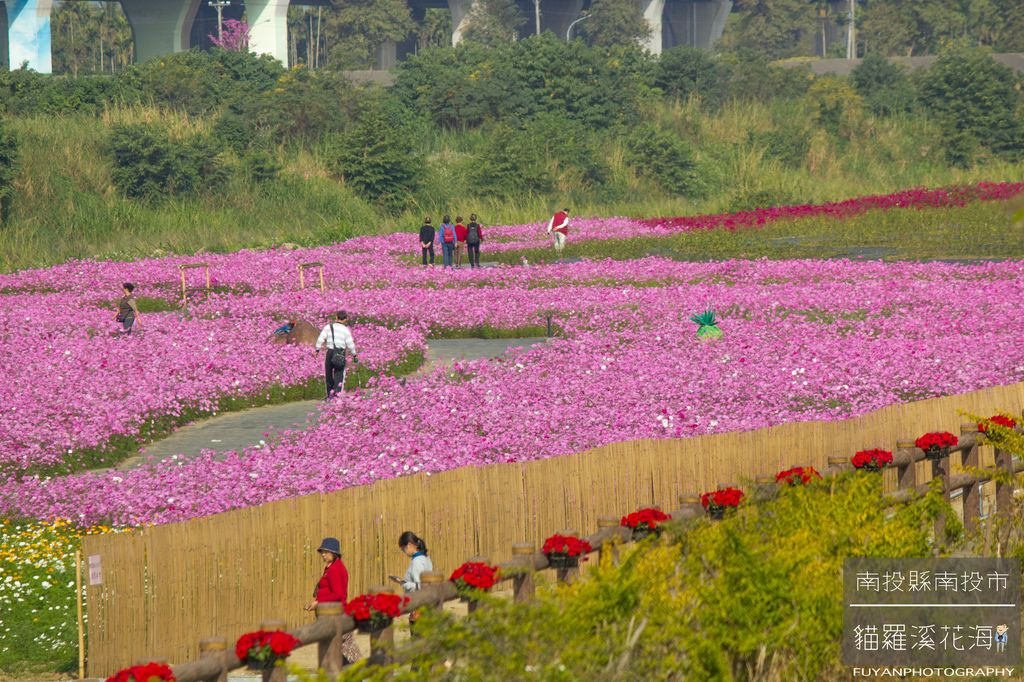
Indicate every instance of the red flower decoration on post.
{"type": "Point", "coordinates": [564, 551]}
{"type": "Point", "coordinates": [263, 648]}
{"type": "Point", "coordinates": [936, 444]}
{"type": "Point", "coordinates": [147, 672]}
{"type": "Point", "coordinates": [474, 576]}
{"type": "Point", "coordinates": [644, 522]}
{"type": "Point", "coordinates": [871, 460]}
{"type": "Point", "coordinates": [999, 420]}
{"type": "Point", "coordinates": [797, 476]}
{"type": "Point", "coordinates": [374, 612]}
{"type": "Point", "coordinates": [716, 502]}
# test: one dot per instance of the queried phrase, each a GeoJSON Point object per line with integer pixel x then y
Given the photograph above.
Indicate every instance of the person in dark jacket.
{"type": "Point", "coordinates": [474, 236]}
{"type": "Point", "coordinates": [427, 240]}
{"type": "Point", "coordinates": [127, 308]}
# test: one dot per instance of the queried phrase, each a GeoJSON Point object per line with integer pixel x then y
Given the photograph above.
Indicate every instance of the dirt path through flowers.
{"type": "Point", "coordinates": [239, 430]}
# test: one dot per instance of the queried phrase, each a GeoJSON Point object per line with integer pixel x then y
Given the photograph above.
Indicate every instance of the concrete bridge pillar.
{"type": "Point", "coordinates": [160, 27]}
{"type": "Point", "coordinates": [654, 10]}
{"type": "Point", "coordinates": [460, 13]}
{"type": "Point", "coordinates": [268, 28]}
{"type": "Point", "coordinates": [698, 23]}
{"type": "Point", "coordinates": [28, 34]}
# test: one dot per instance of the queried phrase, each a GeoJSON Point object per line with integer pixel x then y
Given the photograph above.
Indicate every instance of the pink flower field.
{"type": "Point", "coordinates": [802, 340]}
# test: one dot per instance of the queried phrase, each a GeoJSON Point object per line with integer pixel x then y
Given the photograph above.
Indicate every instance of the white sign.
{"type": "Point", "coordinates": [95, 570]}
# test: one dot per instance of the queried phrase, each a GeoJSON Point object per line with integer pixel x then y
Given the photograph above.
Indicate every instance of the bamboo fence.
{"type": "Point", "coordinates": [164, 587]}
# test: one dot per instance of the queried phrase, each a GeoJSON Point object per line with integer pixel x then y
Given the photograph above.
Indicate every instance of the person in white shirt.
{"type": "Point", "coordinates": [338, 339]}
{"type": "Point", "coordinates": [558, 228]}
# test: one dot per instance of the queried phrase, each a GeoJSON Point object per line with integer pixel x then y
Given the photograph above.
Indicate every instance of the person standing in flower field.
{"type": "Point", "coordinates": [474, 236]}
{"type": "Point", "coordinates": [127, 308]}
{"type": "Point", "coordinates": [333, 587]}
{"type": "Point", "coordinates": [338, 339]}
{"type": "Point", "coordinates": [446, 238]}
{"type": "Point", "coordinates": [558, 228]}
{"type": "Point", "coordinates": [460, 240]}
{"type": "Point", "coordinates": [427, 240]}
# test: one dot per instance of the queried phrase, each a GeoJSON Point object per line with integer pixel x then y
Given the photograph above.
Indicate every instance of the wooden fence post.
{"type": "Point", "coordinates": [690, 506]}
{"type": "Point", "coordinates": [214, 647]}
{"type": "Point", "coordinates": [1004, 490]}
{"type": "Point", "coordinates": [382, 642]}
{"type": "Point", "coordinates": [765, 488]}
{"type": "Point", "coordinates": [329, 652]}
{"type": "Point", "coordinates": [610, 547]}
{"type": "Point", "coordinates": [571, 573]}
{"type": "Point", "coordinates": [838, 464]}
{"type": "Point", "coordinates": [972, 492]}
{"type": "Point", "coordinates": [523, 587]}
{"type": "Point", "coordinates": [906, 476]}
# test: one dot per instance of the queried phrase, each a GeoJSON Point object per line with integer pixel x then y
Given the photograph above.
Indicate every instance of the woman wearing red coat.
{"type": "Point", "coordinates": [333, 587]}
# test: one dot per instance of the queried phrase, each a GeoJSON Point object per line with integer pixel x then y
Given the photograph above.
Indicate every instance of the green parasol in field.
{"type": "Point", "coordinates": [708, 326]}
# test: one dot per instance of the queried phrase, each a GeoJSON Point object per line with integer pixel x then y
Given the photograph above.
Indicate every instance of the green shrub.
{"type": "Point", "coordinates": [885, 87]}
{"type": "Point", "coordinates": [149, 165]}
{"type": "Point", "coordinates": [261, 166]}
{"type": "Point", "coordinates": [685, 71]}
{"type": "Point", "coordinates": [8, 170]}
{"type": "Point", "coordinates": [508, 164]}
{"type": "Point", "coordinates": [976, 102]}
{"type": "Point", "coordinates": [664, 158]}
{"type": "Point", "coordinates": [788, 143]}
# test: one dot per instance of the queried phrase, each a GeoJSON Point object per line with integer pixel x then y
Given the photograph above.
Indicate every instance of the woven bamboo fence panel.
{"type": "Point", "coordinates": [165, 587]}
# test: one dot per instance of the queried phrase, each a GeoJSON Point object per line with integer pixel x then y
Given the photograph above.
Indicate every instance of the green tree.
{"type": "Point", "coordinates": [509, 164]}
{"type": "Point", "coordinates": [90, 37]}
{"type": "Point", "coordinates": [8, 170]}
{"type": "Point", "coordinates": [494, 22]}
{"type": "Point", "coordinates": [885, 87]}
{"type": "Point", "coordinates": [379, 156]}
{"type": "Point", "coordinates": [149, 165]}
{"type": "Point", "coordinates": [355, 29]}
{"type": "Point", "coordinates": [664, 158]}
{"type": "Point", "coordinates": [977, 103]}
{"type": "Point", "coordinates": [615, 22]}
{"type": "Point", "coordinates": [774, 28]}
{"type": "Point", "coordinates": [436, 28]}
{"type": "Point", "coordinates": [684, 71]}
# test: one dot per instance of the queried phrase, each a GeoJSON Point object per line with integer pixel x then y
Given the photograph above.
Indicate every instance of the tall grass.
{"type": "Point", "coordinates": [67, 207]}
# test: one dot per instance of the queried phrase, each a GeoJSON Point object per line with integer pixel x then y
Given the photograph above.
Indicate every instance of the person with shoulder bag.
{"type": "Point", "coordinates": [333, 587]}
{"type": "Point", "coordinates": [474, 237]}
{"type": "Point", "coordinates": [127, 308]}
{"type": "Point", "coordinates": [338, 339]}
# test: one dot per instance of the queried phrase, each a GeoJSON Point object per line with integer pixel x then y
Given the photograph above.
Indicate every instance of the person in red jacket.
{"type": "Point", "coordinates": [460, 240]}
{"type": "Point", "coordinates": [558, 228]}
{"type": "Point", "coordinates": [333, 587]}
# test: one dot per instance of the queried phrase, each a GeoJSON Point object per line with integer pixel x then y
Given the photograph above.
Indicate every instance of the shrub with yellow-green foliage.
{"type": "Point", "coordinates": [758, 595]}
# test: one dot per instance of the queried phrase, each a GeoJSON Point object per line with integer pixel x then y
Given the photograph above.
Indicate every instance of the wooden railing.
{"type": "Point", "coordinates": [217, 655]}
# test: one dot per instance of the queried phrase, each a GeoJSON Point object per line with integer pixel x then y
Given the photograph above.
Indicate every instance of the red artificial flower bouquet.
{"type": "Point", "coordinates": [474, 576]}
{"type": "Point", "coordinates": [936, 444]}
{"type": "Point", "coordinates": [643, 522]}
{"type": "Point", "coordinates": [998, 420]}
{"type": "Point", "coordinates": [871, 460]}
{"type": "Point", "coordinates": [716, 502]}
{"type": "Point", "coordinates": [564, 551]}
{"type": "Point", "coordinates": [374, 612]}
{"type": "Point", "coordinates": [263, 648]}
{"type": "Point", "coordinates": [797, 476]}
{"type": "Point", "coordinates": [147, 672]}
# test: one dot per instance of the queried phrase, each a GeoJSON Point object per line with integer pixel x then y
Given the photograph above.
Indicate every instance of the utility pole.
{"type": "Point", "coordinates": [219, 5]}
{"type": "Point", "coordinates": [851, 33]}
{"type": "Point", "coordinates": [536, 15]}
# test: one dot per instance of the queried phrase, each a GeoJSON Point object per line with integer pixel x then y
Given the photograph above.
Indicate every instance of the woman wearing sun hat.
{"type": "Point", "coordinates": [333, 586]}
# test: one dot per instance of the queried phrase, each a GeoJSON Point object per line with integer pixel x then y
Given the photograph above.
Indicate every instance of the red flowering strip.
{"type": "Point", "coordinates": [647, 519]}
{"type": "Point", "coordinates": [997, 419]}
{"type": "Point", "coordinates": [567, 545]}
{"type": "Point", "coordinates": [936, 441]}
{"type": "Point", "coordinates": [797, 476]}
{"type": "Point", "coordinates": [148, 672]}
{"type": "Point", "coordinates": [720, 499]}
{"type": "Point", "coordinates": [265, 646]}
{"type": "Point", "coordinates": [377, 610]}
{"type": "Point", "coordinates": [474, 575]}
{"type": "Point", "coordinates": [871, 460]}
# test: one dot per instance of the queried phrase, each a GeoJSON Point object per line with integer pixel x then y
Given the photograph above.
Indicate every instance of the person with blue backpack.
{"type": "Point", "coordinates": [446, 237]}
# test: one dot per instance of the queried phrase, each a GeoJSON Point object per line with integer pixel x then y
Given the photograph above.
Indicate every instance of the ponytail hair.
{"type": "Point", "coordinates": [410, 537]}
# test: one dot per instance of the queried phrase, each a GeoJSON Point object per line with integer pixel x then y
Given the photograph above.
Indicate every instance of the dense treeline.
{"type": "Point", "coordinates": [514, 128]}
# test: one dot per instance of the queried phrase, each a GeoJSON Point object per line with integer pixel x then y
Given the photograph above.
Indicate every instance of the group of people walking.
{"type": "Point", "coordinates": [453, 239]}
{"type": "Point", "coordinates": [333, 583]}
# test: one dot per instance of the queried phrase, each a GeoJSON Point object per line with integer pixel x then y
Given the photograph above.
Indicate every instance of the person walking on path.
{"type": "Point", "coordinates": [474, 236]}
{"type": "Point", "coordinates": [333, 587]}
{"type": "Point", "coordinates": [558, 228]}
{"type": "Point", "coordinates": [416, 549]}
{"type": "Point", "coordinates": [338, 339]}
{"type": "Point", "coordinates": [127, 308]}
{"type": "Point", "coordinates": [427, 240]}
{"type": "Point", "coordinates": [446, 238]}
{"type": "Point", "coordinates": [460, 241]}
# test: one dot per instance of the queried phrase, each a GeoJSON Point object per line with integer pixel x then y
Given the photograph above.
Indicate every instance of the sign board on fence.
{"type": "Point", "coordinates": [95, 570]}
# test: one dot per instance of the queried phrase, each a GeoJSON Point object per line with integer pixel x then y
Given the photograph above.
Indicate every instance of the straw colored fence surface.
{"type": "Point", "coordinates": [164, 587]}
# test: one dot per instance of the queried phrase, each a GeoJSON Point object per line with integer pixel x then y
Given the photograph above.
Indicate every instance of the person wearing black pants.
{"type": "Point", "coordinates": [474, 235]}
{"type": "Point", "coordinates": [427, 240]}
{"type": "Point", "coordinates": [338, 339]}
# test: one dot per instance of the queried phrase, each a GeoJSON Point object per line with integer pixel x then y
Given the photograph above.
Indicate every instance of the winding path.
{"type": "Point", "coordinates": [239, 430]}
